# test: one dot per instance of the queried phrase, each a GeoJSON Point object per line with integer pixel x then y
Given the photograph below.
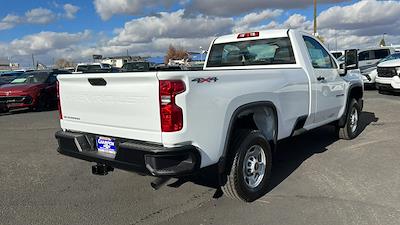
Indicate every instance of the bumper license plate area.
{"type": "Point", "coordinates": [106, 145]}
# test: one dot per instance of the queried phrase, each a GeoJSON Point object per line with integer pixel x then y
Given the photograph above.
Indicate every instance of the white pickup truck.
{"type": "Point", "coordinates": [254, 90]}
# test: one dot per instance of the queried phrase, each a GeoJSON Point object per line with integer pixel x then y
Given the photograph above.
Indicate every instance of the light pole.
{"type": "Point", "coordinates": [315, 17]}
{"type": "Point", "coordinates": [383, 42]}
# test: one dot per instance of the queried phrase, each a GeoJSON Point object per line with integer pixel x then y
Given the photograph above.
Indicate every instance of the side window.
{"type": "Point", "coordinates": [362, 56]}
{"type": "Point", "coordinates": [320, 58]}
{"type": "Point", "coordinates": [382, 53]}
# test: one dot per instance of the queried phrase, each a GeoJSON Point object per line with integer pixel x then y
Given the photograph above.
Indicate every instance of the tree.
{"type": "Point", "coordinates": [63, 63]}
{"type": "Point", "coordinates": [175, 53]}
{"type": "Point", "coordinates": [382, 43]}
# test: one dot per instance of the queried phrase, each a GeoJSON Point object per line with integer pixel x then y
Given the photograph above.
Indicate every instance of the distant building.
{"type": "Point", "coordinates": [118, 61]}
{"type": "Point", "coordinates": [4, 64]}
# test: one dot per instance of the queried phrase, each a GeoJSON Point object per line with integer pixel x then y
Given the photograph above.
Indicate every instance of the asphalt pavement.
{"type": "Point", "coordinates": [317, 179]}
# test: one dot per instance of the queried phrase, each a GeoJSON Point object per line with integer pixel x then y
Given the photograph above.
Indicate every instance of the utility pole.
{"type": "Point", "coordinates": [33, 62]}
{"type": "Point", "coordinates": [336, 40]}
{"type": "Point", "coordinates": [315, 17]}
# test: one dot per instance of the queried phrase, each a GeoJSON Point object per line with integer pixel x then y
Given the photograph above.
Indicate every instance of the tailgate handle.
{"type": "Point", "coordinates": [97, 81]}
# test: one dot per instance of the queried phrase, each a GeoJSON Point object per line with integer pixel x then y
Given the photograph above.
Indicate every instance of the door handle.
{"type": "Point", "coordinates": [320, 78]}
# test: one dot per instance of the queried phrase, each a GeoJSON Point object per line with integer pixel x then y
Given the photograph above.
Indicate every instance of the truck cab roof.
{"type": "Point", "coordinates": [262, 34]}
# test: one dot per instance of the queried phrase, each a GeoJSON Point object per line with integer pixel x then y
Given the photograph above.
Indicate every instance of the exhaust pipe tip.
{"type": "Point", "coordinates": [159, 182]}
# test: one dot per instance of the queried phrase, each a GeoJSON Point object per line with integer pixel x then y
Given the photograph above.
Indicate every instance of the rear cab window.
{"type": "Point", "coordinates": [253, 52]}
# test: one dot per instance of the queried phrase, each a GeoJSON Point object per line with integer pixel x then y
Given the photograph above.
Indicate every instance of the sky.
{"type": "Point", "coordinates": [75, 30]}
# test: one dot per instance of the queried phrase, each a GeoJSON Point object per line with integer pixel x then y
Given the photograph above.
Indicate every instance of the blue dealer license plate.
{"type": "Point", "coordinates": [105, 144]}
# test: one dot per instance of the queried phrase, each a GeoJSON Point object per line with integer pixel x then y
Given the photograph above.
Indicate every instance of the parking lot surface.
{"type": "Point", "coordinates": [317, 179]}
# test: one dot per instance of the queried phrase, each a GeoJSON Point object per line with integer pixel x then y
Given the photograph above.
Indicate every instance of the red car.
{"type": "Point", "coordinates": [35, 90]}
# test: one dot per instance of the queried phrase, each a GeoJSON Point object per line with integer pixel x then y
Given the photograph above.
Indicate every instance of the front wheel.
{"type": "Point", "coordinates": [352, 127]}
{"type": "Point", "coordinates": [251, 167]}
{"type": "Point", "coordinates": [42, 104]}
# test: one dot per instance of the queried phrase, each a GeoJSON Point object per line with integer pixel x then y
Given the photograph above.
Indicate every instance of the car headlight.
{"type": "Point", "coordinates": [398, 70]}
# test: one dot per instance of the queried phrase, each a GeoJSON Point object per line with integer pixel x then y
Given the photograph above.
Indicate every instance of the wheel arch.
{"type": "Point", "coordinates": [355, 91]}
{"type": "Point", "coordinates": [261, 115]}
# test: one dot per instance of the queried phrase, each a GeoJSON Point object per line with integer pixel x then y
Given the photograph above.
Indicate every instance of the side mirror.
{"type": "Point", "coordinates": [350, 61]}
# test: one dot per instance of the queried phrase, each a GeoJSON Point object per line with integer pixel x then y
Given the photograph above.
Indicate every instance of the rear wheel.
{"type": "Point", "coordinates": [352, 127]}
{"type": "Point", "coordinates": [251, 167]}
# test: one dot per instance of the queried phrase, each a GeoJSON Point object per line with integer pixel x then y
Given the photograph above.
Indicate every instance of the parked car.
{"type": "Point", "coordinates": [35, 90]}
{"type": "Point", "coordinates": [93, 68]}
{"type": "Point", "coordinates": [137, 67]}
{"type": "Point", "coordinates": [388, 77]}
{"type": "Point", "coordinates": [7, 76]}
{"type": "Point", "coordinates": [255, 89]}
{"type": "Point", "coordinates": [369, 75]}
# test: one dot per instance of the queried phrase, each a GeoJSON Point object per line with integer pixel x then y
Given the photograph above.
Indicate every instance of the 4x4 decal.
{"type": "Point", "coordinates": [205, 80]}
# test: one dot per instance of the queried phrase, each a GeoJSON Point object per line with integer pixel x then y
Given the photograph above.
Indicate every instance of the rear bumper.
{"type": "Point", "coordinates": [132, 155]}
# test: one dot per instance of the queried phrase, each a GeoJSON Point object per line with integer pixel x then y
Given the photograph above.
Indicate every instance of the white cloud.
{"type": "Point", "coordinates": [255, 18]}
{"type": "Point", "coordinates": [45, 42]}
{"type": "Point", "coordinates": [106, 9]}
{"type": "Point", "coordinates": [9, 21]}
{"type": "Point", "coordinates": [70, 10]}
{"type": "Point", "coordinates": [39, 16]}
{"type": "Point", "coordinates": [171, 25]}
{"type": "Point", "coordinates": [238, 7]}
{"type": "Point", "coordinates": [367, 17]}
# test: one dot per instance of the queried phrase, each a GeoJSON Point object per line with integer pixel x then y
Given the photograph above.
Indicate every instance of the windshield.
{"type": "Point", "coordinates": [391, 57]}
{"type": "Point", "coordinates": [31, 78]}
{"type": "Point", "coordinates": [256, 52]}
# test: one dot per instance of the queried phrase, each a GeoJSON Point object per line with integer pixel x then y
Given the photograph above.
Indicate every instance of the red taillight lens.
{"type": "Point", "coordinates": [59, 101]}
{"type": "Point", "coordinates": [171, 115]}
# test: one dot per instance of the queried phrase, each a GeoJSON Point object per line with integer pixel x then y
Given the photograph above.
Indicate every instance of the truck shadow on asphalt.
{"type": "Point", "coordinates": [291, 153]}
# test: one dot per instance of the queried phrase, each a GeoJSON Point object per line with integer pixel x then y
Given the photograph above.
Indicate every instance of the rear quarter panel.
{"type": "Point", "coordinates": [208, 106]}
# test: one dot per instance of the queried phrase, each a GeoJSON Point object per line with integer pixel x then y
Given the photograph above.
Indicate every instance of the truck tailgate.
{"type": "Point", "coordinates": [126, 105]}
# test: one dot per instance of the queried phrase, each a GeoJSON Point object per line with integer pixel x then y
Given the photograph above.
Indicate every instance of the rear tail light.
{"type": "Point", "coordinates": [248, 35]}
{"type": "Point", "coordinates": [171, 115]}
{"type": "Point", "coordinates": [59, 101]}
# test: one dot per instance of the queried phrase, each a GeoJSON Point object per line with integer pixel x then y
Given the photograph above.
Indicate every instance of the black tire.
{"type": "Point", "coordinates": [42, 104]}
{"type": "Point", "coordinates": [236, 186]}
{"type": "Point", "coordinates": [4, 110]}
{"type": "Point", "coordinates": [348, 132]}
